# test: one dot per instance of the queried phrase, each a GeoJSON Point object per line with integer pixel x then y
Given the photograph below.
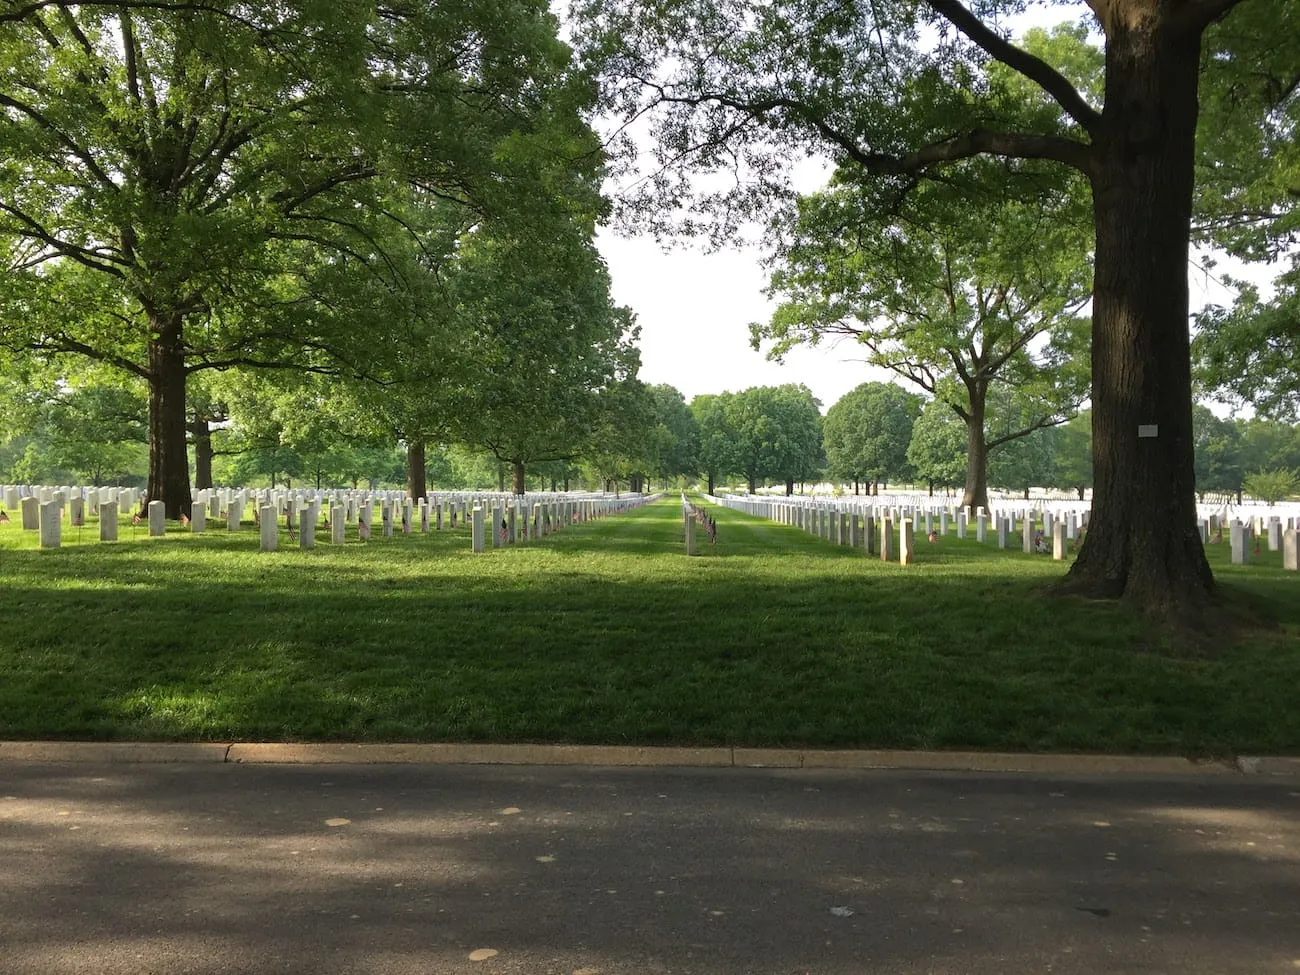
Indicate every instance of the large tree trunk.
{"type": "Point", "coordinates": [416, 479]}
{"type": "Point", "coordinates": [710, 491]}
{"type": "Point", "coordinates": [201, 435]}
{"type": "Point", "coordinates": [976, 495]}
{"type": "Point", "coordinates": [518, 467]}
{"type": "Point", "coordinates": [789, 487]}
{"type": "Point", "coordinates": [1143, 542]}
{"type": "Point", "coordinates": [169, 463]}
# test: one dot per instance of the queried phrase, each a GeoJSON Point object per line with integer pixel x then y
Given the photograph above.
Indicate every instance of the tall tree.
{"type": "Point", "coordinates": [675, 437]}
{"type": "Point", "coordinates": [547, 345]}
{"type": "Point", "coordinates": [867, 431]}
{"type": "Point", "coordinates": [968, 302]}
{"type": "Point", "coordinates": [901, 93]}
{"type": "Point", "coordinates": [1073, 443]}
{"type": "Point", "coordinates": [186, 186]}
{"type": "Point", "coordinates": [717, 446]}
{"type": "Point", "coordinates": [777, 434]}
{"type": "Point", "coordinates": [937, 450]}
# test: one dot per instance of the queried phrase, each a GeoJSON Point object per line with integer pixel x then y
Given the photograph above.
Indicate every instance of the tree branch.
{"type": "Point", "coordinates": [1202, 13]}
{"type": "Point", "coordinates": [94, 259]}
{"type": "Point", "coordinates": [1015, 145]}
{"type": "Point", "coordinates": [65, 140]}
{"type": "Point", "coordinates": [63, 344]}
{"type": "Point", "coordinates": [1042, 424]}
{"type": "Point", "coordinates": [1035, 69]}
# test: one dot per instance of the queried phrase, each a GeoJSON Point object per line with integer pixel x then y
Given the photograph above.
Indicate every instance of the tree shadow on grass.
{"type": "Point", "coordinates": [836, 652]}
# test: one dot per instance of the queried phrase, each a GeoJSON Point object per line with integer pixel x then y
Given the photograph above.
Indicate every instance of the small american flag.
{"type": "Point", "coordinates": [185, 520]}
{"type": "Point", "coordinates": [363, 531]}
{"type": "Point", "coordinates": [135, 519]}
{"type": "Point", "coordinates": [4, 518]}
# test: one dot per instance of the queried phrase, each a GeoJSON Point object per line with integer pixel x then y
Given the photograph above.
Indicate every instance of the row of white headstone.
{"type": "Point", "coordinates": [855, 524]}
{"type": "Point", "coordinates": [514, 518]}
{"type": "Point", "coordinates": [1241, 538]}
{"type": "Point", "coordinates": [838, 522]}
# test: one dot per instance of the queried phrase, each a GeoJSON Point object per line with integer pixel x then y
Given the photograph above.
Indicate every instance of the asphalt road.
{"type": "Point", "coordinates": [580, 871]}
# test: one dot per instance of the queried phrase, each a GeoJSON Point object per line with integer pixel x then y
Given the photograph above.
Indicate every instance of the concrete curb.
{"type": "Point", "coordinates": [619, 756]}
{"type": "Point", "coordinates": [112, 751]}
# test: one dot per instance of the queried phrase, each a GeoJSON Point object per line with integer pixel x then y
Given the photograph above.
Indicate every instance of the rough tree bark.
{"type": "Point", "coordinates": [517, 466]}
{"type": "Point", "coordinates": [169, 463]}
{"type": "Point", "coordinates": [976, 494]}
{"type": "Point", "coordinates": [1142, 542]}
{"type": "Point", "coordinates": [201, 436]}
{"type": "Point", "coordinates": [416, 477]}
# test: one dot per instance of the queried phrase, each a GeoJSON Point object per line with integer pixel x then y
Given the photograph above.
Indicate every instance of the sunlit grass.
{"type": "Point", "coordinates": [608, 633]}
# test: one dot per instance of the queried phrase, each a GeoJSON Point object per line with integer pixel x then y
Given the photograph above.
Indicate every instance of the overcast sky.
{"type": "Point", "coordinates": [694, 310]}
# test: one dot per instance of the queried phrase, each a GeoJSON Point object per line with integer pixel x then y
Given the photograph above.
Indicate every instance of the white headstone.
{"type": "Point", "coordinates": [477, 528]}
{"type": "Point", "coordinates": [307, 526]}
{"type": "Point", "coordinates": [108, 521]}
{"type": "Point", "coordinates": [1027, 532]}
{"type": "Point", "coordinates": [234, 514]}
{"type": "Point", "coordinates": [270, 528]}
{"type": "Point", "coordinates": [906, 542]}
{"type": "Point", "coordinates": [1240, 537]}
{"type": "Point", "coordinates": [51, 527]}
{"type": "Point", "coordinates": [157, 519]}
{"type": "Point", "coordinates": [981, 526]}
{"type": "Point", "coordinates": [887, 540]}
{"type": "Point", "coordinates": [198, 518]}
{"type": "Point", "coordinates": [961, 523]}
{"type": "Point", "coordinates": [1291, 550]}
{"type": "Point", "coordinates": [338, 525]}
{"type": "Point", "coordinates": [690, 532]}
{"type": "Point", "coordinates": [1274, 534]}
{"type": "Point", "coordinates": [31, 508]}
{"type": "Point", "coordinates": [1058, 540]}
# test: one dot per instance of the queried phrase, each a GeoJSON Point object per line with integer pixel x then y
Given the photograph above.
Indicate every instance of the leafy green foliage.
{"type": "Point", "coordinates": [867, 431]}
{"type": "Point", "coordinates": [1274, 485]}
{"type": "Point", "coordinates": [206, 186]}
{"type": "Point", "coordinates": [777, 434]}
{"type": "Point", "coordinates": [937, 450]}
{"type": "Point", "coordinates": [970, 304]}
{"type": "Point", "coordinates": [1218, 453]}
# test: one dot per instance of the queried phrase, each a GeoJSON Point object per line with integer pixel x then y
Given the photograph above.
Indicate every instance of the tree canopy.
{"type": "Point", "coordinates": [901, 95]}
{"type": "Point", "coordinates": [188, 187]}
{"type": "Point", "coordinates": [867, 431]}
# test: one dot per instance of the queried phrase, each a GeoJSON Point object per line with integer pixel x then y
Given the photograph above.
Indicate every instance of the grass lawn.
{"type": "Point", "coordinates": [607, 633]}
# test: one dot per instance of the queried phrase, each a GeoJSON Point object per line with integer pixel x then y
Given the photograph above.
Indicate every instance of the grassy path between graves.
{"type": "Point", "coordinates": [607, 633]}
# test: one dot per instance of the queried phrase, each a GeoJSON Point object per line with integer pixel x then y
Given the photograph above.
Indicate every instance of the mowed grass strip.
{"type": "Point", "coordinates": [608, 633]}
